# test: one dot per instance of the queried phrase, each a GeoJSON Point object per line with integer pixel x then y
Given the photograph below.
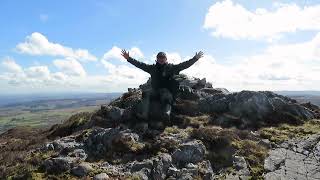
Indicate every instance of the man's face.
{"type": "Point", "coordinates": [162, 60]}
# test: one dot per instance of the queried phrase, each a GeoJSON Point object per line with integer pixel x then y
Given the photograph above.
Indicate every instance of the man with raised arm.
{"type": "Point", "coordinates": [163, 84]}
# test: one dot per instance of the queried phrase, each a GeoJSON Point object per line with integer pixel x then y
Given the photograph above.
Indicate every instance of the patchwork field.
{"type": "Point", "coordinates": [47, 112]}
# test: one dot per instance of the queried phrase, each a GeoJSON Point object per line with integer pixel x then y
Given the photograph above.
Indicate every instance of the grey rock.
{"type": "Point", "coordinates": [161, 166]}
{"type": "Point", "coordinates": [66, 144]}
{"type": "Point", "coordinates": [79, 153]}
{"type": "Point", "coordinates": [59, 164]}
{"type": "Point", "coordinates": [294, 159]}
{"type": "Point", "coordinates": [143, 174]}
{"type": "Point", "coordinates": [116, 170]}
{"type": "Point", "coordinates": [82, 169]}
{"type": "Point", "coordinates": [191, 166]}
{"type": "Point", "coordinates": [173, 172]}
{"type": "Point", "coordinates": [185, 176]}
{"type": "Point", "coordinates": [218, 103]}
{"type": "Point", "coordinates": [254, 108]}
{"type": "Point", "coordinates": [190, 152]}
{"type": "Point", "coordinates": [101, 176]}
{"type": "Point", "coordinates": [239, 163]}
{"type": "Point", "coordinates": [275, 160]}
{"type": "Point", "coordinates": [112, 112]}
{"type": "Point", "coordinates": [101, 141]}
{"type": "Point", "coordinates": [214, 91]}
{"type": "Point", "coordinates": [137, 166]}
{"type": "Point", "coordinates": [241, 167]}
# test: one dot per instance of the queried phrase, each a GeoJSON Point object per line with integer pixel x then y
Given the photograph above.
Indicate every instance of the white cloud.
{"type": "Point", "coordinates": [10, 65]}
{"type": "Point", "coordinates": [292, 66]}
{"type": "Point", "coordinates": [34, 76]}
{"type": "Point", "coordinates": [38, 72]}
{"type": "Point", "coordinates": [59, 76]}
{"type": "Point", "coordinates": [232, 20]}
{"type": "Point", "coordinates": [115, 53]}
{"type": "Point", "coordinates": [124, 75]}
{"type": "Point", "coordinates": [279, 67]}
{"type": "Point", "coordinates": [70, 66]}
{"type": "Point", "coordinates": [38, 44]}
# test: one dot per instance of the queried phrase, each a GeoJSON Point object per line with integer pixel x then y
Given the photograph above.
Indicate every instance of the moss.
{"type": "Point", "coordinates": [133, 177]}
{"type": "Point", "coordinates": [37, 176]}
{"type": "Point", "coordinates": [254, 155]}
{"type": "Point", "coordinates": [184, 133]}
{"type": "Point", "coordinates": [137, 147]}
{"type": "Point", "coordinates": [75, 123]}
{"type": "Point", "coordinates": [172, 130]}
{"type": "Point", "coordinates": [222, 144]}
{"type": "Point", "coordinates": [65, 175]}
{"type": "Point", "coordinates": [218, 143]}
{"type": "Point", "coordinates": [284, 131]}
{"type": "Point", "coordinates": [198, 121]}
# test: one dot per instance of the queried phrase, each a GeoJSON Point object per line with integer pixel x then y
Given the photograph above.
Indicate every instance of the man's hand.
{"type": "Point", "coordinates": [125, 54]}
{"type": "Point", "coordinates": [198, 55]}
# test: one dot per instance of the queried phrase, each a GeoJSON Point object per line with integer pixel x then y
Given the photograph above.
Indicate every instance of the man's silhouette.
{"type": "Point", "coordinates": [163, 84]}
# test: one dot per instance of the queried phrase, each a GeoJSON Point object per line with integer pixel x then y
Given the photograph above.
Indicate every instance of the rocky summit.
{"type": "Point", "coordinates": [212, 134]}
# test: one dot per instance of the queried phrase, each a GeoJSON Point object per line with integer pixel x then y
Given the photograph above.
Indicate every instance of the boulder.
{"type": "Point", "coordinates": [101, 176]}
{"type": "Point", "coordinates": [102, 141]}
{"type": "Point", "coordinates": [107, 116]}
{"type": "Point", "coordinates": [66, 144]}
{"type": "Point", "coordinates": [137, 166]}
{"type": "Point", "coordinates": [82, 169]}
{"type": "Point", "coordinates": [58, 164]}
{"type": "Point", "coordinates": [189, 152]}
{"type": "Point", "coordinates": [161, 165]}
{"type": "Point", "coordinates": [128, 99]}
{"type": "Point", "coordinates": [78, 153]}
{"type": "Point", "coordinates": [254, 109]}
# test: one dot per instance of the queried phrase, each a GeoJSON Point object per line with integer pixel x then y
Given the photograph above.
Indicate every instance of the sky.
{"type": "Point", "coordinates": [74, 46]}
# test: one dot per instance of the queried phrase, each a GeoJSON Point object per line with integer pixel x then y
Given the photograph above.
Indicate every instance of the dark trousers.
{"type": "Point", "coordinates": [163, 95]}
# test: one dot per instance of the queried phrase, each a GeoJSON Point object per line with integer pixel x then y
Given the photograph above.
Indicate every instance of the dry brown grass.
{"type": "Point", "coordinates": [15, 151]}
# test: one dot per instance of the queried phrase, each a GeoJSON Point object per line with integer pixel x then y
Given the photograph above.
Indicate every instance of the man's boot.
{"type": "Point", "coordinates": [166, 112]}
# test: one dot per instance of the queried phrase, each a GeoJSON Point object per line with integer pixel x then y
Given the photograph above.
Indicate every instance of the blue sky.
{"type": "Point", "coordinates": [238, 49]}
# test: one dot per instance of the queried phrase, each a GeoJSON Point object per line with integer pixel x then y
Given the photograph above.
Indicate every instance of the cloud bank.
{"type": "Point", "coordinates": [231, 20]}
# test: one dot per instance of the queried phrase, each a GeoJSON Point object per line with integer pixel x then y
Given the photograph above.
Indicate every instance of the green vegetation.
{"type": "Point", "coordinates": [40, 118]}
{"type": "Point", "coordinates": [71, 125]}
{"type": "Point", "coordinates": [284, 131]}
{"type": "Point", "coordinates": [223, 143]}
{"type": "Point", "coordinates": [254, 154]}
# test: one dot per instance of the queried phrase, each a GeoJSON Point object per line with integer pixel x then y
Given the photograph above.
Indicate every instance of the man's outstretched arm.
{"type": "Point", "coordinates": [138, 64]}
{"type": "Point", "coordinates": [184, 65]}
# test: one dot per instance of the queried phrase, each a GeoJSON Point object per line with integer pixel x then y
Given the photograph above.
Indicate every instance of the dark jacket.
{"type": "Point", "coordinates": [162, 75]}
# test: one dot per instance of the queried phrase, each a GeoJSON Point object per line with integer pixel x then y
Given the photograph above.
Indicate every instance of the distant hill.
{"type": "Point", "coordinates": [303, 96]}
{"type": "Point", "coordinates": [46, 110]}
{"type": "Point", "coordinates": [22, 98]}
{"type": "Point", "coordinates": [298, 93]}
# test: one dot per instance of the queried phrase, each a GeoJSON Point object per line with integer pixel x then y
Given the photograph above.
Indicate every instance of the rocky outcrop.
{"type": "Point", "coordinates": [245, 109]}
{"type": "Point", "coordinates": [254, 109]}
{"type": "Point", "coordinates": [295, 159]}
{"type": "Point", "coordinates": [212, 134]}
